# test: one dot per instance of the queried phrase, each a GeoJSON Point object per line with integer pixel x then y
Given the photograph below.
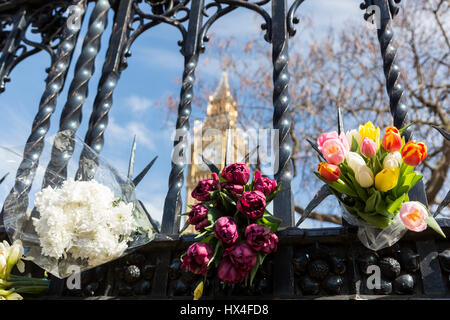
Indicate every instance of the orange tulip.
{"type": "Point", "coordinates": [414, 153]}
{"type": "Point", "coordinates": [392, 141]}
{"type": "Point", "coordinates": [329, 172]}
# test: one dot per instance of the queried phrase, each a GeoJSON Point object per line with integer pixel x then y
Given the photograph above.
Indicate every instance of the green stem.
{"type": "Point", "coordinates": [31, 289]}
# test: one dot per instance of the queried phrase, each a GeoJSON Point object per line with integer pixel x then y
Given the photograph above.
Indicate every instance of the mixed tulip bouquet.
{"type": "Point", "coordinates": [236, 229]}
{"type": "Point", "coordinates": [12, 286]}
{"type": "Point", "coordinates": [371, 176]}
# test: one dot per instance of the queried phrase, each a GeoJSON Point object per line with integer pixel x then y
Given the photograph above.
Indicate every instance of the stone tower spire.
{"type": "Point", "coordinates": [221, 114]}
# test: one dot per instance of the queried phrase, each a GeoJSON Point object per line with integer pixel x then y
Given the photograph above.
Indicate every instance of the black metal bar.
{"type": "Point", "coordinates": [35, 143]}
{"type": "Point", "coordinates": [387, 9]}
{"type": "Point", "coordinates": [283, 203]}
{"type": "Point", "coordinates": [283, 277]}
{"type": "Point", "coordinates": [391, 69]}
{"type": "Point", "coordinates": [430, 271]}
{"type": "Point", "coordinates": [11, 46]}
{"type": "Point", "coordinates": [112, 69]}
{"type": "Point", "coordinates": [173, 203]}
{"type": "Point", "coordinates": [72, 112]}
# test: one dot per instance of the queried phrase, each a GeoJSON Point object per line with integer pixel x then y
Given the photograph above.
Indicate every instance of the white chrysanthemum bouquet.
{"type": "Point", "coordinates": [72, 225]}
{"type": "Point", "coordinates": [84, 219]}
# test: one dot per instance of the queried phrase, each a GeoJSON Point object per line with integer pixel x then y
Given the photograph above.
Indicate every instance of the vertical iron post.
{"type": "Point", "coordinates": [283, 203]}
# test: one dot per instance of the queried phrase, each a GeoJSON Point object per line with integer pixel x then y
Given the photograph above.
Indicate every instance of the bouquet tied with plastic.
{"type": "Point", "coordinates": [77, 214]}
{"type": "Point", "coordinates": [371, 177]}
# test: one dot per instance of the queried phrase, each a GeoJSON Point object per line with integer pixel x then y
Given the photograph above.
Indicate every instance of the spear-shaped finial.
{"type": "Point", "coordinates": [340, 121]}
{"type": "Point", "coordinates": [131, 162]}
{"type": "Point", "coordinates": [3, 178]}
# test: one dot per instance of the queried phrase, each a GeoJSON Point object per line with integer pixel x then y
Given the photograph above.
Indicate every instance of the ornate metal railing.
{"type": "Point", "coordinates": [308, 262]}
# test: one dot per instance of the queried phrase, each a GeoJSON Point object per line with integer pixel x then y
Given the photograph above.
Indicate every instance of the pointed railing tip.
{"type": "Point", "coordinates": [212, 167]}
{"type": "Point", "coordinates": [143, 173]}
{"type": "Point", "coordinates": [3, 178]}
{"type": "Point", "coordinates": [340, 120]}
{"type": "Point", "coordinates": [315, 147]}
{"type": "Point", "coordinates": [318, 198]}
{"type": "Point", "coordinates": [444, 203]}
{"type": "Point", "coordinates": [132, 156]}
{"type": "Point", "coordinates": [152, 222]}
{"type": "Point", "coordinates": [444, 133]}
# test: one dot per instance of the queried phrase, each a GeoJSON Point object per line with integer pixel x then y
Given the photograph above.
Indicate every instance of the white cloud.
{"type": "Point", "coordinates": [155, 206]}
{"type": "Point", "coordinates": [159, 58]}
{"type": "Point", "coordinates": [126, 132]}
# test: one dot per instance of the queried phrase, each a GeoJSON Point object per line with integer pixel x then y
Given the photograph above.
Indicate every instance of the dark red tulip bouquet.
{"type": "Point", "coordinates": [236, 230]}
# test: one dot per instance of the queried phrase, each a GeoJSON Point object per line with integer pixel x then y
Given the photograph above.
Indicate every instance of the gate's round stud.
{"type": "Point", "coordinates": [309, 286]}
{"type": "Point", "coordinates": [318, 269]}
{"type": "Point", "coordinates": [404, 284]}
{"type": "Point", "coordinates": [385, 287]}
{"type": "Point", "coordinates": [333, 284]}
{"type": "Point", "coordinates": [390, 268]}
{"type": "Point", "coordinates": [132, 274]}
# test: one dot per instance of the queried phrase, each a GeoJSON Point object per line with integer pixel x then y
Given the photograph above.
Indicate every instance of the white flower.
{"type": "Point", "coordinates": [353, 134]}
{"type": "Point", "coordinates": [364, 176]}
{"type": "Point", "coordinates": [392, 160]}
{"type": "Point", "coordinates": [354, 160]}
{"type": "Point", "coordinates": [80, 219]}
{"type": "Point", "coordinates": [3, 265]}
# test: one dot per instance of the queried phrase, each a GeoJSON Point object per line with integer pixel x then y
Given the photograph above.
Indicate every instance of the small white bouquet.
{"type": "Point", "coordinates": [84, 219]}
{"type": "Point", "coordinates": [76, 224]}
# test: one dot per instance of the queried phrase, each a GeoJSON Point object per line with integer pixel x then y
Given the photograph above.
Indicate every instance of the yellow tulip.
{"type": "Point", "coordinates": [369, 131]}
{"type": "Point", "coordinates": [14, 296]}
{"type": "Point", "coordinates": [387, 179]}
{"type": "Point", "coordinates": [198, 292]}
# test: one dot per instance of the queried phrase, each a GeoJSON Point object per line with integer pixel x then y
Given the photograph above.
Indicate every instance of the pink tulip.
{"type": "Point", "coordinates": [413, 215]}
{"type": "Point", "coordinates": [368, 148]}
{"type": "Point", "coordinates": [334, 147]}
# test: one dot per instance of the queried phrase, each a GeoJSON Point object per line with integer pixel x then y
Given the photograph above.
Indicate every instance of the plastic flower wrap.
{"type": "Point", "coordinates": [236, 229]}
{"type": "Point", "coordinates": [75, 222]}
{"type": "Point", "coordinates": [371, 177]}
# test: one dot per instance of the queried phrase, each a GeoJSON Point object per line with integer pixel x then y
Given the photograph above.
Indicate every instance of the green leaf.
{"type": "Point", "coordinates": [416, 179]}
{"type": "Point", "coordinates": [397, 204]}
{"type": "Point", "coordinates": [261, 258]}
{"type": "Point", "coordinates": [377, 220]}
{"type": "Point", "coordinates": [354, 146]}
{"type": "Point", "coordinates": [216, 251]}
{"type": "Point", "coordinates": [338, 186]}
{"type": "Point", "coordinates": [201, 234]}
{"type": "Point", "coordinates": [269, 221]}
{"type": "Point", "coordinates": [362, 193]}
{"type": "Point", "coordinates": [227, 198]}
{"type": "Point", "coordinates": [214, 214]}
{"type": "Point", "coordinates": [380, 206]}
{"type": "Point", "coordinates": [371, 202]}
{"type": "Point", "coordinates": [405, 127]}
{"type": "Point", "coordinates": [253, 272]}
{"type": "Point", "coordinates": [208, 238]}
{"type": "Point", "coordinates": [210, 227]}
{"type": "Point", "coordinates": [271, 196]}
{"type": "Point", "coordinates": [431, 222]}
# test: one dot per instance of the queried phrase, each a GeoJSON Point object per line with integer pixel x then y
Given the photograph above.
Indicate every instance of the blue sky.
{"type": "Point", "coordinates": [151, 75]}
